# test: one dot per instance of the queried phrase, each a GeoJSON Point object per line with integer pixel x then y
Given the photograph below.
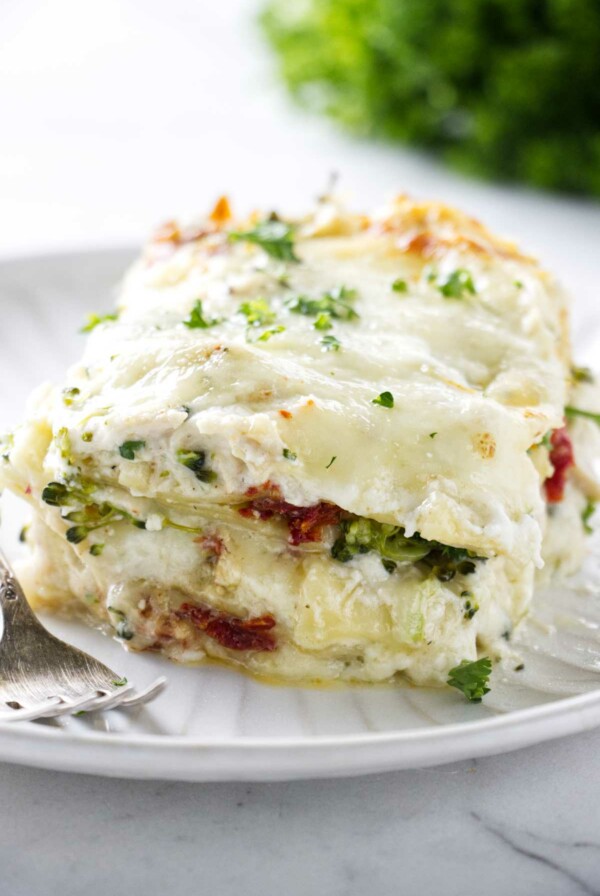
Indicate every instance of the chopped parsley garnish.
{"type": "Point", "coordinates": [87, 436]}
{"type": "Point", "coordinates": [196, 462]}
{"type": "Point", "coordinates": [23, 534]}
{"type": "Point", "coordinates": [197, 320]}
{"type": "Point", "coordinates": [360, 536]}
{"type": "Point", "coordinates": [289, 455]}
{"type": "Point", "coordinates": [96, 550]}
{"type": "Point", "coordinates": [119, 682]}
{"type": "Point", "coordinates": [266, 334]}
{"type": "Point", "coordinates": [586, 515]}
{"type": "Point", "coordinates": [333, 304]}
{"type": "Point", "coordinates": [128, 449]}
{"type": "Point", "coordinates": [94, 320]}
{"type": "Point", "coordinates": [581, 374]}
{"type": "Point", "coordinates": [471, 678]}
{"type": "Point", "coordinates": [432, 435]}
{"type": "Point", "coordinates": [457, 284]}
{"type": "Point", "coordinates": [571, 413]}
{"type": "Point", "coordinates": [400, 285]}
{"type": "Point", "coordinates": [323, 322]}
{"type": "Point", "coordinates": [386, 400]}
{"type": "Point", "coordinates": [333, 459]}
{"type": "Point", "coordinates": [258, 312]}
{"type": "Point", "coordinates": [274, 237]}
{"type": "Point", "coordinates": [330, 343]}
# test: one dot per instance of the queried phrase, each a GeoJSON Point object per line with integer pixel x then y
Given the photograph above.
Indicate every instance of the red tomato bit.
{"type": "Point", "coordinates": [561, 458]}
{"type": "Point", "coordinates": [231, 631]}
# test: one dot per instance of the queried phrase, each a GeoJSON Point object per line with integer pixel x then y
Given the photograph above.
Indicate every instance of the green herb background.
{"type": "Point", "coordinates": [507, 89]}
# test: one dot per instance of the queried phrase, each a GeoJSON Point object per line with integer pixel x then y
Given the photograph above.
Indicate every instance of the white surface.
{"type": "Point", "coordinates": [214, 724]}
{"type": "Point", "coordinates": [114, 115]}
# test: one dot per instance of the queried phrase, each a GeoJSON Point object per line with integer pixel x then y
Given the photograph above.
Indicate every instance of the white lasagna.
{"type": "Point", "coordinates": [325, 448]}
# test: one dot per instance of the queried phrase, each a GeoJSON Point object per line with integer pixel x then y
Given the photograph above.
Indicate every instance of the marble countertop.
{"type": "Point", "coordinates": [526, 823]}
{"type": "Point", "coordinates": [136, 111]}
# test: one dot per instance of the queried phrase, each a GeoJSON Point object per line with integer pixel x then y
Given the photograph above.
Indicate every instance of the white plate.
{"type": "Point", "coordinates": [214, 724]}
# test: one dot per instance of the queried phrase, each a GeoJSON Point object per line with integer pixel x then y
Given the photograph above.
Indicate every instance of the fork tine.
{"type": "Point", "coordinates": [70, 707]}
{"type": "Point", "coordinates": [110, 700]}
{"type": "Point", "coordinates": [145, 696]}
{"type": "Point", "coordinates": [28, 714]}
{"type": "Point", "coordinates": [55, 706]}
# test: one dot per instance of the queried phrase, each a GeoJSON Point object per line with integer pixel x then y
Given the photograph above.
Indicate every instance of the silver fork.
{"type": "Point", "coordinates": [42, 677]}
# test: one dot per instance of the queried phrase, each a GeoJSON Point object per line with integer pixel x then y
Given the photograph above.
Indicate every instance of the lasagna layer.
{"type": "Point", "coordinates": [331, 447]}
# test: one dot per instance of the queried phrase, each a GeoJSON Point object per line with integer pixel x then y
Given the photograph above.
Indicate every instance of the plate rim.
{"type": "Point", "coordinates": [180, 758]}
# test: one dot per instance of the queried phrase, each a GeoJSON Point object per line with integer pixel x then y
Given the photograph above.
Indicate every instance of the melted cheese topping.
{"type": "Point", "coordinates": [468, 336]}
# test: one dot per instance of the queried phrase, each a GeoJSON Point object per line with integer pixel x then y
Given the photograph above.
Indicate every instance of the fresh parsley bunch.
{"type": "Point", "coordinates": [499, 88]}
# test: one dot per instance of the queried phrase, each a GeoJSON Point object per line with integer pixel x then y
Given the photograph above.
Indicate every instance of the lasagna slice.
{"type": "Point", "coordinates": [325, 448]}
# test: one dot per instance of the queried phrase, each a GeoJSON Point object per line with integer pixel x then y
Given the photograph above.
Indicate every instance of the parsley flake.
{"type": "Point", "coordinates": [197, 320]}
{"type": "Point", "coordinates": [266, 334]}
{"type": "Point", "coordinates": [400, 285]}
{"type": "Point", "coordinates": [336, 303]}
{"type": "Point", "coordinates": [457, 285]}
{"type": "Point", "coordinates": [331, 343]}
{"type": "Point", "coordinates": [196, 462]}
{"type": "Point", "coordinates": [385, 400]}
{"type": "Point", "coordinates": [128, 449]}
{"type": "Point", "coordinates": [471, 678]}
{"type": "Point", "coordinates": [96, 550]}
{"type": "Point", "coordinates": [289, 455]}
{"type": "Point", "coordinates": [257, 312]}
{"type": "Point", "coordinates": [95, 320]}
{"type": "Point", "coordinates": [586, 514]}
{"type": "Point", "coordinates": [333, 459]}
{"type": "Point", "coordinates": [323, 321]}
{"type": "Point", "coordinates": [581, 374]}
{"type": "Point", "coordinates": [274, 237]}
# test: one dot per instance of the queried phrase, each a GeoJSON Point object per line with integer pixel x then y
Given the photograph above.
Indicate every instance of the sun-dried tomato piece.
{"type": "Point", "coordinates": [561, 458]}
{"type": "Point", "coordinates": [304, 523]}
{"type": "Point", "coordinates": [231, 631]}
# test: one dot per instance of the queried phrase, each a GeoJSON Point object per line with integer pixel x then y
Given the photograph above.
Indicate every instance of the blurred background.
{"type": "Point", "coordinates": [116, 115]}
